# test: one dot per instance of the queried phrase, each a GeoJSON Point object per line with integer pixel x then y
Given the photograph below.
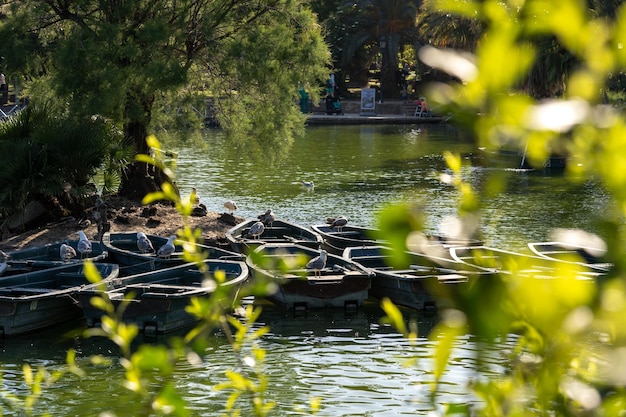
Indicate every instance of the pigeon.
{"type": "Point", "coordinates": [143, 243]}
{"type": "Point", "coordinates": [66, 252]}
{"type": "Point", "coordinates": [267, 218]}
{"type": "Point", "coordinates": [167, 249]}
{"type": "Point", "coordinates": [193, 197]}
{"type": "Point", "coordinates": [4, 256]}
{"type": "Point", "coordinates": [256, 230]}
{"type": "Point", "coordinates": [339, 222]}
{"type": "Point", "coordinates": [231, 206]}
{"type": "Point", "coordinates": [84, 245]}
{"type": "Point", "coordinates": [318, 263]}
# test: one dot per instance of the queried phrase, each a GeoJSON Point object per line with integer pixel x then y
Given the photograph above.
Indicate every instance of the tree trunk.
{"type": "Point", "coordinates": [140, 178]}
{"type": "Point", "coordinates": [389, 88]}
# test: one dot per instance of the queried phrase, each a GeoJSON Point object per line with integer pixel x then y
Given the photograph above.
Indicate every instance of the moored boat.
{"type": "Point", "coordinates": [157, 300]}
{"type": "Point", "coordinates": [278, 231]}
{"type": "Point", "coordinates": [337, 282]}
{"type": "Point", "coordinates": [507, 262]}
{"type": "Point", "coordinates": [123, 250]}
{"type": "Point", "coordinates": [588, 256]}
{"type": "Point", "coordinates": [516, 159]}
{"type": "Point", "coordinates": [48, 255]}
{"type": "Point", "coordinates": [336, 240]}
{"type": "Point", "coordinates": [35, 300]}
{"type": "Point", "coordinates": [419, 282]}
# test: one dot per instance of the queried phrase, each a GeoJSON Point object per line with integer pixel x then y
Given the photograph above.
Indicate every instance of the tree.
{"type": "Point", "coordinates": [116, 58]}
{"type": "Point", "coordinates": [381, 25]}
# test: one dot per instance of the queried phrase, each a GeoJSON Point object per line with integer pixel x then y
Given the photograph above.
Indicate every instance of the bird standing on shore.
{"type": "Point", "coordinates": [84, 245]}
{"type": "Point", "coordinates": [66, 252]}
{"type": "Point", "coordinates": [193, 197]}
{"type": "Point", "coordinates": [231, 206]}
{"type": "Point", "coordinates": [318, 263]}
{"type": "Point", "coordinates": [167, 249]}
{"type": "Point", "coordinates": [256, 230]}
{"type": "Point", "coordinates": [143, 243]}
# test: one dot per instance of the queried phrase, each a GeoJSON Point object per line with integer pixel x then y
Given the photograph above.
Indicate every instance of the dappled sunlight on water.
{"type": "Point", "coordinates": [353, 363]}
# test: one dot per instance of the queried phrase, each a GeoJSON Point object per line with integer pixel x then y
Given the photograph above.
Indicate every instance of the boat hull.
{"type": "Point", "coordinates": [336, 241]}
{"type": "Point", "coordinates": [341, 283]}
{"type": "Point", "coordinates": [423, 283]}
{"type": "Point", "coordinates": [122, 249]}
{"type": "Point", "coordinates": [279, 232]}
{"type": "Point", "coordinates": [587, 256]}
{"type": "Point", "coordinates": [157, 300]}
{"type": "Point", "coordinates": [36, 300]}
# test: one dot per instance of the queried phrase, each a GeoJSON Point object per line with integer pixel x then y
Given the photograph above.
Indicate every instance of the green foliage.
{"type": "Point", "coordinates": [256, 103]}
{"type": "Point", "coordinates": [45, 155]}
{"type": "Point", "coordinates": [559, 320]}
{"type": "Point", "coordinates": [127, 61]}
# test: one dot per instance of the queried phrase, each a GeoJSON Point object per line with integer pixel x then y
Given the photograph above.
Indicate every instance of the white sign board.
{"type": "Point", "coordinates": [368, 101]}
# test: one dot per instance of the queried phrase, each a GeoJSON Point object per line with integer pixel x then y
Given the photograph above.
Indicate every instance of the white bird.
{"type": "Point", "coordinates": [84, 245]}
{"type": "Point", "coordinates": [167, 249]}
{"type": "Point", "coordinates": [143, 243]}
{"type": "Point", "coordinates": [4, 256]}
{"type": "Point", "coordinates": [193, 197]}
{"type": "Point", "coordinates": [318, 263]}
{"type": "Point", "coordinates": [66, 252]}
{"type": "Point", "coordinates": [231, 206]}
{"type": "Point", "coordinates": [267, 218]}
{"type": "Point", "coordinates": [339, 222]}
{"type": "Point", "coordinates": [309, 185]}
{"type": "Point", "coordinates": [256, 230]}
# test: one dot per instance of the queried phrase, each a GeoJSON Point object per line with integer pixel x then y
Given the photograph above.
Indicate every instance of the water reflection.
{"type": "Point", "coordinates": [353, 363]}
{"type": "Point", "coordinates": [358, 169]}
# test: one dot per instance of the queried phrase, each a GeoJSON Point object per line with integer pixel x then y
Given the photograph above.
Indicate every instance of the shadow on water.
{"type": "Point", "coordinates": [316, 325]}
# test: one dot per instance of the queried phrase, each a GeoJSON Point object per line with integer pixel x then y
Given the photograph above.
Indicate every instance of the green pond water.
{"type": "Point", "coordinates": [354, 364]}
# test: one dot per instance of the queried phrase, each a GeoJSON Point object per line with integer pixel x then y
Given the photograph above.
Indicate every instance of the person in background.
{"type": "Point", "coordinates": [330, 85]}
{"type": "Point", "coordinates": [304, 99]}
{"type": "Point", "coordinates": [4, 90]}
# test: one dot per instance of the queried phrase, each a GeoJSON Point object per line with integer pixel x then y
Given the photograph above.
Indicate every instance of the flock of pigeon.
{"type": "Point", "coordinates": [84, 248]}
{"type": "Point", "coordinates": [256, 230]}
{"type": "Point", "coordinates": [145, 246]}
{"type": "Point", "coordinates": [265, 219]}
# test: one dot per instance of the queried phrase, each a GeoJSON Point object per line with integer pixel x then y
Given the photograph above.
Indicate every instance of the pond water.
{"type": "Point", "coordinates": [354, 364]}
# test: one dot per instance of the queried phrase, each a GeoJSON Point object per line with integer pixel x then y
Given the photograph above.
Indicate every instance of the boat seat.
{"type": "Point", "coordinates": [452, 278]}
{"type": "Point", "coordinates": [345, 233]}
{"type": "Point", "coordinates": [12, 292]}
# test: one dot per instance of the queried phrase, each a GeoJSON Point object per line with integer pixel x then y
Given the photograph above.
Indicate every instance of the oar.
{"type": "Point", "coordinates": [524, 156]}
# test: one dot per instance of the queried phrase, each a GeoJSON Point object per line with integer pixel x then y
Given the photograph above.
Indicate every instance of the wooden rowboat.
{"type": "Point", "coordinates": [587, 256]}
{"type": "Point", "coordinates": [123, 250]}
{"type": "Point", "coordinates": [46, 256]}
{"type": "Point", "coordinates": [337, 240]}
{"type": "Point", "coordinates": [279, 231]}
{"type": "Point", "coordinates": [157, 300]}
{"type": "Point", "coordinates": [35, 300]}
{"type": "Point", "coordinates": [341, 283]}
{"type": "Point", "coordinates": [507, 262]}
{"type": "Point", "coordinates": [419, 282]}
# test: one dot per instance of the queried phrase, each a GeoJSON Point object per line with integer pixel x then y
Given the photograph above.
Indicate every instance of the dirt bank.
{"type": "Point", "coordinates": [124, 215]}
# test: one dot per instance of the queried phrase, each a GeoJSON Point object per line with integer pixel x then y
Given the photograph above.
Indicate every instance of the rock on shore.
{"type": "Point", "coordinates": [124, 215]}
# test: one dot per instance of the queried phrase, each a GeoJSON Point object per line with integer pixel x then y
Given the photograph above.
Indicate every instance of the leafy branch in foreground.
{"type": "Point", "coordinates": [568, 332]}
